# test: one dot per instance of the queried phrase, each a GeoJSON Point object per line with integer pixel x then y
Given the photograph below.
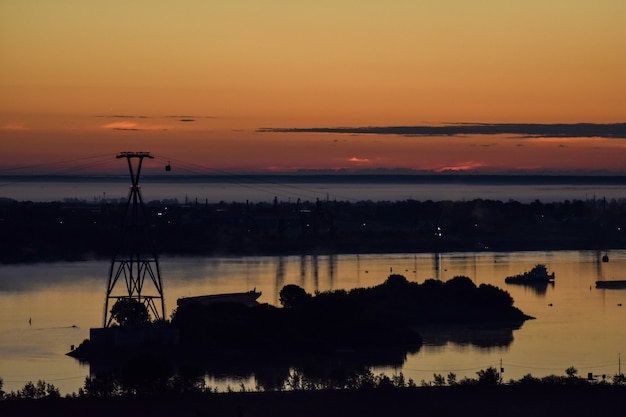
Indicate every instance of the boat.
{"type": "Point", "coordinates": [613, 284]}
{"type": "Point", "coordinates": [537, 275]}
{"type": "Point", "coordinates": [248, 298]}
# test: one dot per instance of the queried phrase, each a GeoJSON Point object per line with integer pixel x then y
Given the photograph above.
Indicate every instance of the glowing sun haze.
{"type": "Point", "coordinates": [227, 85]}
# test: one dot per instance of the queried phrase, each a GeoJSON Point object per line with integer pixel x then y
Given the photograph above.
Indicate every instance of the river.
{"type": "Point", "coordinates": [46, 308]}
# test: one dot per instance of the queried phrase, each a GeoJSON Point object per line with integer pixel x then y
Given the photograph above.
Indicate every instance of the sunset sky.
{"type": "Point", "coordinates": [238, 86]}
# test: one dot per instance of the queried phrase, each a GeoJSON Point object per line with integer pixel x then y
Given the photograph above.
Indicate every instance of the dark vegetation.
{"type": "Point", "coordinates": [325, 335]}
{"type": "Point", "coordinates": [75, 230]}
{"type": "Point", "coordinates": [383, 316]}
{"type": "Point", "coordinates": [377, 317]}
{"type": "Point", "coordinates": [348, 394]}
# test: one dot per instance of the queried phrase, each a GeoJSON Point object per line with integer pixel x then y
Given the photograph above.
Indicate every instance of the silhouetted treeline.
{"type": "Point", "coordinates": [364, 318]}
{"type": "Point", "coordinates": [79, 230]}
{"type": "Point", "coordinates": [349, 394]}
{"type": "Point", "coordinates": [322, 323]}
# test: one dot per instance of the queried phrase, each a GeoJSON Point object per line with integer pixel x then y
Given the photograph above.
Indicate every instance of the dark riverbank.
{"type": "Point", "coordinates": [503, 400]}
{"type": "Point", "coordinates": [33, 232]}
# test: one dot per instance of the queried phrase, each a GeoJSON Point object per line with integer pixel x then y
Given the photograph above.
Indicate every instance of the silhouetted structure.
{"type": "Point", "coordinates": [135, 261]}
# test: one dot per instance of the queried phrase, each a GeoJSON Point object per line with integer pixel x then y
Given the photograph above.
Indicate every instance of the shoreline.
{"type": "Point", "coordinates": [84, 231]}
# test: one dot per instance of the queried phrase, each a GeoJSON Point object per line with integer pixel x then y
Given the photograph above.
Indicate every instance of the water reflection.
{"type": "Point", "coordinates": [303, 269]}
{"type": "Point", "coordinates": [332, 267]}
{"type": "Point", "coordinates": [272, 371]}
{"type": "Point", "coordinates": [316, 275]}
{"type": "Point", "coordinates": [437, 265]}
{"type": "Point", "coordinates": [269, 370]}
{"type": "Point", "coordinates": [310, 273]}
{"type": "Point", "coordinates": [538, 288]}
{"type": "Point", "coordinates": [478, 336]}
{"type": "Point", "coordinates": [280, 277]}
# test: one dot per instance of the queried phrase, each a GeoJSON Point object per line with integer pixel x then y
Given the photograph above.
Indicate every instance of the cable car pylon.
{"type": "Point", "coordinates": [135, 263]}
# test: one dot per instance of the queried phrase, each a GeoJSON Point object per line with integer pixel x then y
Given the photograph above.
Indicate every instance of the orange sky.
{"type": "Point", "coordinates": [194, 81]}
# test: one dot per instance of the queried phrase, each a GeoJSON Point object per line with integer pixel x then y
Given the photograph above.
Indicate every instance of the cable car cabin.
{"type": "Point", "coordinates": [168, 167]}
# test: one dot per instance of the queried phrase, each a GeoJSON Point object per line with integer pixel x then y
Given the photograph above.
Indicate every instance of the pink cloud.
{"type": "Point", "coordinates": [359, 160]}
{"type": "Point", "coordinates": [121, 125]}
{"type": "Point", "coordinates": [463, 166]}
{"type": "Point", "coordinates": [128, 125]}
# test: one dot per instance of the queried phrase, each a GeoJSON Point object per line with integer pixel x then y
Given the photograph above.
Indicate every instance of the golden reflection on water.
{"type": "Point", "coordinates": [576, 324]}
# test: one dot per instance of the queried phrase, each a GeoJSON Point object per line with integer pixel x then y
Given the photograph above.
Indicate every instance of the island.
{"type": "Point", "coordinates": [360, 328]}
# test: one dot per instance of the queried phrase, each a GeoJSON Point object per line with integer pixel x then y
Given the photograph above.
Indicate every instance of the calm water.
{"type": "Point", "coordinates": [257, 189]}
{"type": "Point", "coordinates": [576, 324]}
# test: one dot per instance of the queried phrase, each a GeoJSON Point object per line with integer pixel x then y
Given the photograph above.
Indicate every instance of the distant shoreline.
{"type": "Point", "coordinates": [90, 230]}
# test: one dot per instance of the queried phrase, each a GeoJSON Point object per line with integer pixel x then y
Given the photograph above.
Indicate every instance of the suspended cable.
{"type": "Point", "coordinates": [451, 369]}
{"type": "Point", "coordinates": [253, 181]}
{"type": "Point", "coordinates": [59, 168]}
{"type": "Point", "coordinates": [526, 366]}
{"type": "Point", "coordinates": [4, 171]}
{"type": "Point", "coordinates": [89, 166]}
{"type": "Point", "coordinates": [25, 380]}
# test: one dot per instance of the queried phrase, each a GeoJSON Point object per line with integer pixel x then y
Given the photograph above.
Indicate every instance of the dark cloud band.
{"type": "Point", "coordinates": [615, 130]}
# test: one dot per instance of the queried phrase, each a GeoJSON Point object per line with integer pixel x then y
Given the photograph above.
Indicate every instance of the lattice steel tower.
{"type": "Point", "coordinates": [135, 262]}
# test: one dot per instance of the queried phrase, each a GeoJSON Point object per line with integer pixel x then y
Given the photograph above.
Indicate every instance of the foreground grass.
{"type": "Point", "coordinates": [471, 400]}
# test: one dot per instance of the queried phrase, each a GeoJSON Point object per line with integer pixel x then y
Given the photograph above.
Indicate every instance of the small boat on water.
{"type": "Point", "coordinates": [248, 298]}
{"type": "Point", "coordinates": [538, 275]}
{"type": "Point", "coordinates": [614, 284]}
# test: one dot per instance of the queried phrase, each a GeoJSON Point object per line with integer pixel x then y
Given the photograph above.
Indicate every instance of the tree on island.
{"type": "Point", "coordinates": [130, 312]}
{"type": "Point", "coordinates": [293, 296]}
